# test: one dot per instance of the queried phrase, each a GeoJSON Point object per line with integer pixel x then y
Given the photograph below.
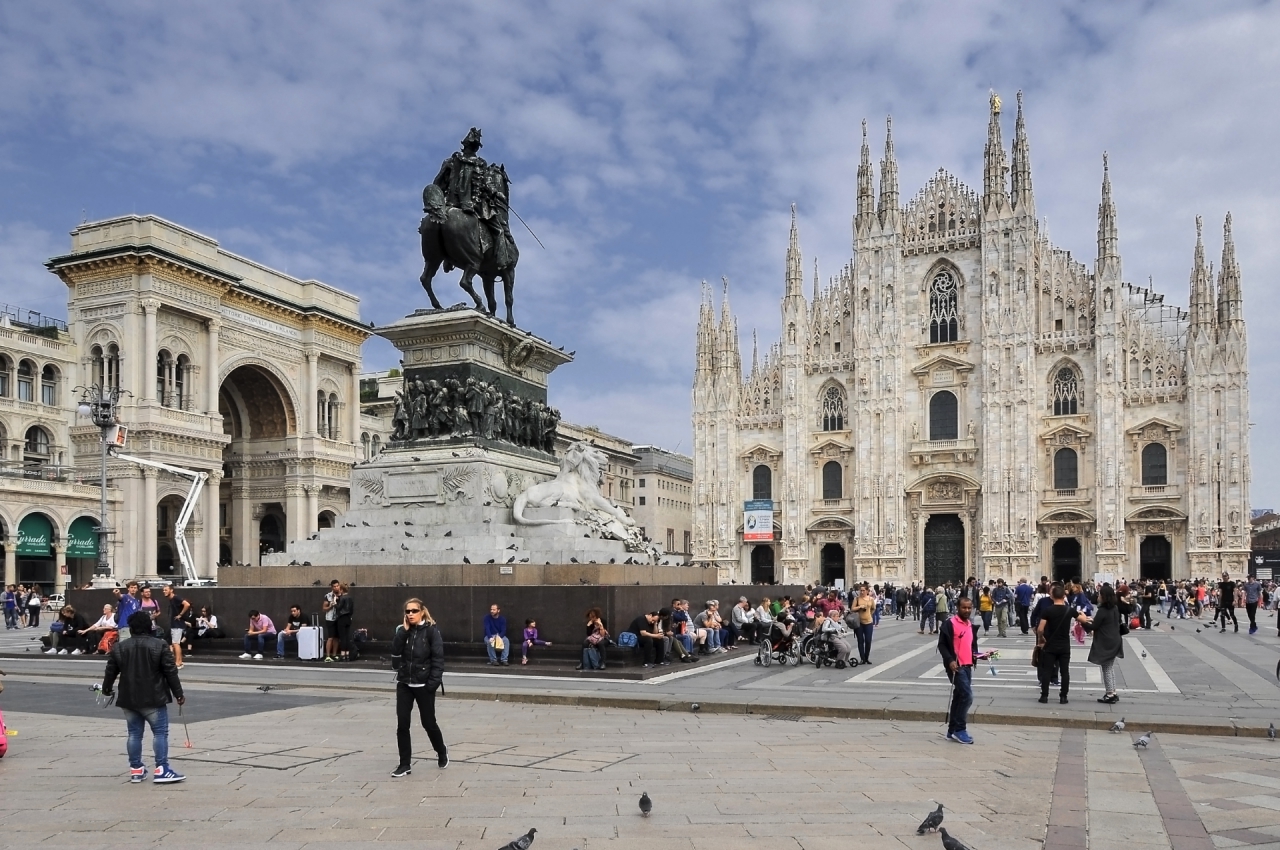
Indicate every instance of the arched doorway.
{"type": "Point", "coordinates": [270, 535]}
{"type": "Point", "coordinates": [325, 519]}
{"type": "Point", "coordinates": [944, 550]}
{"type": "Point", "coordinates": [832, 564]}
{"type": "Point", "coordinates": [36, 563]}
{"type": "Point", "coordinates": [762, 565]}
{"type": "Point", "coordinates": [1155, 558]}
{"type": "Point", "coordinates": [1066, 559]}
{"type": "Point", "coordinates": [166, 563]}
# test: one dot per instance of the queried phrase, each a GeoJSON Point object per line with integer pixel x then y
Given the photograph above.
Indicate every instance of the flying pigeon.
{"type": "Point", "coordinates": [646, 805]}
{"type": "Point", "coordinates": [932, 822]}
{"type": "Point", "coordinates": [266, 688]}
{"type": "Point", "coordinates": [1271, 732]}
{"type": "Point", "coordinates": [949, 843]}
{"type": "Point", "coordinates": [1118, 726]}
{"type": "Point", "coordinates": [465, 559]}
{"type": "Point", "coordinates": [1144, 741]}
{"type": "Point", "coordinates": [449, 533]}
{"type": "Point", "coordinates": [521, 843]}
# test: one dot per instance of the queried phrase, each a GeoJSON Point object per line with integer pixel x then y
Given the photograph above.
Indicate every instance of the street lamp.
{"type": "Point", "coordinates": [101, 405]}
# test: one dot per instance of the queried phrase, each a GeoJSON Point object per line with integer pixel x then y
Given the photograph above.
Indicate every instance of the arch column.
{"type": "Point", "coordinates": [60, 564]}
{"type": "Point", "coordinates": [211, 373]}
{"type": "Point", "coordinates": [149, 531]}
{"type": "Point", "coordinates": [310, 408]}
{"type": "Point", "coordinates": [294, 520]}
{"type": "Point", "coordinates": [150, 307]}
{"type": "Point", "coordinates": [11, 561]}
{"type": "Point", "coordinates": [212, 500]}
{"type": "Point", "coordinates": [244, 535]}
{"type": "Point", "coordinates": [313, 509]}
{"type": "Point", "coordinates": [353, 408]}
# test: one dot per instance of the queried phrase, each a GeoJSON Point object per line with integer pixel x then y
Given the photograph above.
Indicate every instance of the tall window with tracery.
{"type": "Point", "coordinates": [1066, 391]}
{"type": "Point", "coordinates": [944, 319]}
{"type": "Point", "coordinates": [833, 409]}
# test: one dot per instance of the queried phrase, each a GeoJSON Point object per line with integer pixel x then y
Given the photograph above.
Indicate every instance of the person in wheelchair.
{"type": "Point", "coordinates": [827, 630]}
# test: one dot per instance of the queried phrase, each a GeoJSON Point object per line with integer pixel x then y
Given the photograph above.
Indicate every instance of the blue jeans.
{"type": "Point", "coordinates": [281, 640]}
{"type": "Point", "coordinates": [11, 618]}
{"type": "Point", "coordinates": [961, 699]}
{"type": "Point", "coordinates": [493, 653]}
{"type": "Point", "coordinates": [864, 634]}
{"type": "Point", "coordinates": [261, 640]}
{"type": "Point", "coordinates": [158, 720]}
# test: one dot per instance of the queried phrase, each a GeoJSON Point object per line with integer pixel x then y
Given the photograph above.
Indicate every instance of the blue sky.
{"type": "Point", "coordinates": [651, 145]}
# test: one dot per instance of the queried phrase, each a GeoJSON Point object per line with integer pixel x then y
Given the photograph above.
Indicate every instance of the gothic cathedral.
{"type": "Point", "coordinates": [965, 399]}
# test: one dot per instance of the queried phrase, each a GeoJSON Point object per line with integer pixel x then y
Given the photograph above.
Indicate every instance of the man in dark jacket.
{"type": "Point", "coordinates": [148, 683]}
{"type": "Point", "coordinates": [417, 656]}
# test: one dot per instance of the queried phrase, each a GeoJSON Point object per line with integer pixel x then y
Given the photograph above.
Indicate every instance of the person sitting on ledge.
{"type": "Point", "coordinates": [66, 634]}
{"type": "Point", "coordinates": [105, 629]}
{"type": "Point", "coordinates": [260, 629]}
{"type": "Point", "coordinates": [495, 636]}
{"type": "Point", "coordinates": [649, 639]}
{"type": "Point", "coordinates": [530, 640]}
{"type": "Point", "coordinates": [290, 631]}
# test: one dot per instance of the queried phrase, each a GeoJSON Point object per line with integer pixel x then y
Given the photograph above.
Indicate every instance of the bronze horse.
{"type": "Point", "coordinates": [456, 238]}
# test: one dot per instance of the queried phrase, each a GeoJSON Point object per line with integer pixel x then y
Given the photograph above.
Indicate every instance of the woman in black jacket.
{"type": "Point", "coordinates": [417, 656]}
{"type": "Point", "coordinates": [1109, 624]}
{"type": "Point", "coordinates": [344, 609]}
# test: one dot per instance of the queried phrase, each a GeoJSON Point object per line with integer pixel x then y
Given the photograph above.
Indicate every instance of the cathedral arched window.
{"type": "Point", "coordinates": [1065, 470]}
{"type": "Point", "coordinates": [944, 416]}
{"type": "Point", "coordinates": [1066, 392]}
{"type": "Point", "coordinates": [833, 409]}
{"type": "Point", "coordinates": [762, 482]}
{"type": "Point", "coordinates": [1155, 465]}
{"type": "Point", "coordinates": [944, 321]}
{"type": "Point", "coordinates": [832, 480]}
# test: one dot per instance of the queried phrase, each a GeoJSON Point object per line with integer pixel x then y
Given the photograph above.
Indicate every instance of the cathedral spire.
{"type": "Point", "coordinates": [994, 196]}
{"type": "Point", "coordinates": [755, 354]}
{"type": "Point", "coordinates": [1229, 301]}
{"type": "Point", "coordinates": [706, 331]}
{"type": "Point", "coordinates": [1202, 309]}
{"type": "Point", "coordinates": [795, 274]}
{"type": "Point", "coordinates": [1108, 234]}
{"type": "Point", "coordinates": [888, 179]}
{"type": "Point", "coordinates": [866, 187]}
{"type": "Point", "coordinates": [815, 279]}
{"type": "Point", "coordinates": [1023, 199]}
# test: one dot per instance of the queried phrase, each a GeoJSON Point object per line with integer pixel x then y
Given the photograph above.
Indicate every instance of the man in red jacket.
{"type": "Point", "coordinates": [958, 645]}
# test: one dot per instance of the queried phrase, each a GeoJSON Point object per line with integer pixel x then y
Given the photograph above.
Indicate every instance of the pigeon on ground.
{"type": "Point", "coordinates": [1197, 631]}
{"type": "Point", "coordinates": [573, 560]}
{"type": "Point", "coordinates": [406, 522]}
{"type": "Point", "coordinates": [1271, 731]}
{"type": "Point", "coordinates": [646, 805]}
{"type": "Point", "coordinates": [1278, 670]}
{"type": "Point", "coordinates": [949, 843]}
{"type": "Point", "coordinates": [513, 534]}
{"type": "Point", "coordinates": [362, 522]}
{"type": "Point", "coordinates": [1143, 741]}
{"type": "Point", "coordinates": [487, 520]}
{"type": "Point", "coordinates": [408, 534]}
{"type": "Point", "coordinates": [521, 843]}
{"type": "Point", "coordinates": [1118, 726]}
{"type": "Point", "coordinates": [395, 522]}
{"type": "Point", "coordinates": [932, 822]}
{"type": "Point", "coordinates": [415, 457]}
{"type": "Point", "coordinates": [513, 546]}
{"type": "Point", "coordinates": [524, 560]}
{"type": "Point", "coordinates": [490, 561]}
{"type": "Point", "coordinates": [449, 533]}
{"type": "Point", "coordinates": [612, 561]}
{"type": "Point", "coordinates": [404, 546]}
{"type": "Point", "coordinates": [1144, 653]}
{"type": "Point", "coordinates": [694, 707]}
{"type": "Point", "coordinates": [455, 454]}
{"type": "Point", "coordinates": [465, 559]}
{"type": "Point", "coordinates": [511, 560]}
{"type": "Point", "coordinates": [266, 688]}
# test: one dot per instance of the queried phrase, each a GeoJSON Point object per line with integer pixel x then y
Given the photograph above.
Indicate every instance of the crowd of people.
{"type": "Point", "coordinates": [22, 605]}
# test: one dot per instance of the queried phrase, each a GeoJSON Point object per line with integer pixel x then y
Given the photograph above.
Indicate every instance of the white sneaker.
{"type": "Point", "coordinates": [258, 657]}
{"type": "Point", "coordinates": [246, 656]}
{"type": "Point", "coordinates": [62, 652]}
{"type": "Point", "coordinates": [50, 651]}
{"type": "Point", "coordinates": [77, 652]}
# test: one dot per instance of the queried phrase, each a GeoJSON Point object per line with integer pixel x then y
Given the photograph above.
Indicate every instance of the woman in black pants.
{"type": "Point", "coordinates": [345, 607]}
{"type": "Point", "coordinates": [417, 655]}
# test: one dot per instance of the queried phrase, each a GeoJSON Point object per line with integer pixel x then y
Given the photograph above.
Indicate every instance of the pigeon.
{"type": "Point", "coordinates": [612, 561]}
{"type": "Point", "coordinates": [949, 843]}
{"type": "Point", "coordinates": [513, 534]}
{"type": "Point", "coordinates": [646, 805]}
{"type": "Point", "coordinates": [306, 563]}
{"type": "Point", "coordinates": [521, 843]}
{"type": "Point", "coordinates": [402, 584]}
{"type": "Point", "coordinates": [344, 525]}
{"type": "Point", "coordinates": [266, 688]}
{"type": "Point", "coordinates": [574, 560]}
{"type": "Point", "coordinates": [1143, 741]}
{"type": "Point", "coordinates": [932, 822]}
{"type": "Point", "coordinates": [406, 522]}
{"type": "Point", "coordinates": [408, 534]}
{"type": "Point", "coordinates": [1197, 631]}
{"type": "Point", "coordinates": [465, 559]}
{"type": "Point", "coordinates": [415, 457]}
{"type": "Point", "coordinates": [395, 522]}
{"type": "Point", "coordinates": [511, 560]}
{"type": "Point", "coordinates": [694, 707]}
{"type": "Point", "coordinates": [487, 504]}
{"type": "Point", "coordinates": [404, 546]}
{"type": "Point", "coordinates": [455, 454]}
{"type": "Point", "coordinates": [316, 583]}
{"type": "Point", "coordinates": [513, 546]}
{"type": "Point", "coordinates": [365, 524]}
{"type": "Point", "coordinates": [449, 533]}
{"type": "Point", "coordinates": [1118, 726]}
{"type": "Point", "coordinates": [1144, 653]}
{"type": "Point", "coordinates": [294, 564]}
{"type": "Point", "coordinates": [487, 520]}
{"type": "Point", "coordinates": [1173, 628]}
{"type": "Point", "coordinates": [1271, 732]}
{"type": "Point", "coordinates": [490, 561]}
{"type": "Point", "coordinates": [571, 353]}
{"type": "Point", "coordinates": [524, 560]}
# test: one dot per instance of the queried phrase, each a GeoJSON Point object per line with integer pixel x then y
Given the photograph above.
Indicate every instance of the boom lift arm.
{"type": "Point", "coordinates": [188, 507]}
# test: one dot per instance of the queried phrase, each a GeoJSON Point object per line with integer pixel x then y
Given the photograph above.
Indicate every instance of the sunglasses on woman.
{"type": "Point", "coordinates": [413, 610]}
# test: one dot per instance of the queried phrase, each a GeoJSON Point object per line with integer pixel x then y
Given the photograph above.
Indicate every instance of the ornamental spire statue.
{"type": "Point", "coordinates": [466, 225]}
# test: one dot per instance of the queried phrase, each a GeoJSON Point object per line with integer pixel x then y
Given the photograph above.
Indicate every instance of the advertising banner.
{"type": "Point", "coordinates": [82, 539]}
{"type": "Point", "coordinates": [35, 536]}
{"type": "Point", "coordinates": [757, 520]}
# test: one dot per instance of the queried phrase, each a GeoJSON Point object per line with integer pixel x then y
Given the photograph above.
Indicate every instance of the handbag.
{"type": "Point", "coordinates": [628, 639]}
{"type": "Point", "coordinates": [596, 637]}
{"type": "Point", "coordinates": [498, 643]}
{"type": "Point", "coordinates": [1124, 623]}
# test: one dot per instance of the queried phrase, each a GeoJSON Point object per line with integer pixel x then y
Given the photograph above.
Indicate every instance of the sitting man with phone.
{"type": "Point", "coordinates": [290, 630]}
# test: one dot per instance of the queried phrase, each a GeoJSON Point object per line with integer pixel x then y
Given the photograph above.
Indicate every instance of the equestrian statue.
{"type": "Point", "coordinates": [465, 226]}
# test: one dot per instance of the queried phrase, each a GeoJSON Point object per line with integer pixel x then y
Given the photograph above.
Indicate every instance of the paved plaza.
{"type": "Point", "coordinates": [306, 764]}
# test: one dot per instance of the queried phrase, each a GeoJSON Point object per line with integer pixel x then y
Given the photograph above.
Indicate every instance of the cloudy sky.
{"type": "Point", "coordinates": [652, 145]}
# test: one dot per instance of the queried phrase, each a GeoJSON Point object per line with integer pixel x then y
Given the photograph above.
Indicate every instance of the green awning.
{"type": "Point", "coordinates": [35, 536]}
{"type": "Point", "coordinates": [82, 538]}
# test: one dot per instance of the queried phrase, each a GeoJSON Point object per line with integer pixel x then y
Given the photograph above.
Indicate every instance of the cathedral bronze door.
{"type": "Point", "coordinates": [944, 550]}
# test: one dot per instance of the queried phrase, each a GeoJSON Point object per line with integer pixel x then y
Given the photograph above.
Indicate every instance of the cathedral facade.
{"type": "Point", "coordinates": [966, 399]}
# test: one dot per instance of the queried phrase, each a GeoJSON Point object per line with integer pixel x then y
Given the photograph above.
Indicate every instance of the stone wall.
{"type": "Point", "coordinates": [469, 575]}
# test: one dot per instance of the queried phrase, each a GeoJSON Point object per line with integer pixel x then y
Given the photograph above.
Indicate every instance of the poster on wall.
{"type": "Point", "coordinates": [757, 520]}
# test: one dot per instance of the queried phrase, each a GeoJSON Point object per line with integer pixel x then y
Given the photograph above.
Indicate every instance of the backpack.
{"type": "Point", "coordinates": [628, 640]}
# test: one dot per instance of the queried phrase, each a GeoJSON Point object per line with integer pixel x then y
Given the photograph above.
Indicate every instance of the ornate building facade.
{"type": "Point", "coordinates": [966, 399]}
{"type": "Point", "coordinates": [229, 367]}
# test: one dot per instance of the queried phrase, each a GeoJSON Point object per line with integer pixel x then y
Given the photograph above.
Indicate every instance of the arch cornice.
{"type": "Point", "coordinates": [283, 381]}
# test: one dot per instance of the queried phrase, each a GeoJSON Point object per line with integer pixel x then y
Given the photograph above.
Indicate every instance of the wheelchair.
{"type": "Point", "coordinates": [779, 646]}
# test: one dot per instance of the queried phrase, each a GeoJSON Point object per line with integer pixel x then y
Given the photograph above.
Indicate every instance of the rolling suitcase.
{"type": "Point", "coordinates": [309, 643]}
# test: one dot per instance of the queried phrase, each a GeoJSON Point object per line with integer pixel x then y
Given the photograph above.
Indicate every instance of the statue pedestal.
{"type": "Point", "coordinates": [443, 495]}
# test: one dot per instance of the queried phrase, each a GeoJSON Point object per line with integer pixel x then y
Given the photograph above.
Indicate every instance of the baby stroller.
{"type": "Point", "coordinates": [781, 645]}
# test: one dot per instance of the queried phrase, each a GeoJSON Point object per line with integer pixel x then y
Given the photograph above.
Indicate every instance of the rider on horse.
{"type": "Point", "coordinates": [473, 185]}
